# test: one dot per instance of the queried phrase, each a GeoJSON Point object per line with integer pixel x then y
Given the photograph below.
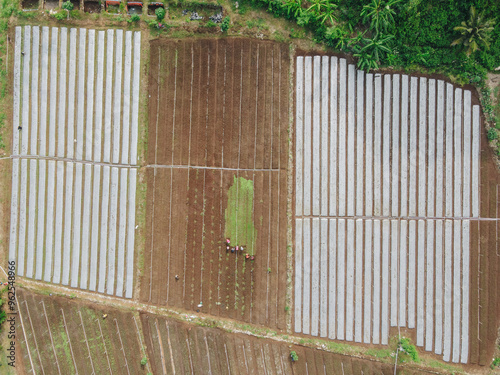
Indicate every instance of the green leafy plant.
{"type": "Point", "coordinates": [144, 361]}
{"type": "Point", "coordinates": [372, 52]}
{"type": "Point", "coordinates": [293, 355]}
{"type": "Point", "coordinates": [135, 18]}
{"type": "Point", "coordinates": [495, 363]}
{"type": "Point", "coordinates": [323, 10]}
{"type": "Point", "coordinates": [492, 134]}
{"type": "Point", "coordinates": [408, 351]}
{"type": "Point", "coordinates": [160, 14]}
{"type": "Point", "coordinates": [225, 24]}
{"type": "Point", "coordinates": [475, 33]}
{"type": "Point", "coordinates": [380, 15]}
{"type": "Point", "coordinates": [68, 7]}
{"type": "Point", "coordinates": [211, 24]}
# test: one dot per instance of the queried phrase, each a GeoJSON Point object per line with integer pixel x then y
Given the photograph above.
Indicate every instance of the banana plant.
{"type": "Point", "coordinates": [323, 10]}
{"type": "Point", "coordinates": [475, 33]}
{"type": "Point", "coordinates": [380, 15]}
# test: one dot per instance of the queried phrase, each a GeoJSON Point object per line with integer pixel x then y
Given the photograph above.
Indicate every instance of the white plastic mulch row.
{"type": "Point", "coordinates": [74, 223]}
{"type": "Point", "coordinates": [74, 237]}
{"type": "Point", "coordinates": [352, 277]}
{"type": "Point", "coordinates": [63, 79]}
{"type": "Point", "coordinates": [404, 150]}
{"type": "Point", "coordinates": [370, 144]}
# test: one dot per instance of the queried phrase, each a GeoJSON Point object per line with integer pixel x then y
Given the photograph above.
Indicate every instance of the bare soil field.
{"type": "Point", "coordinates": [65, 336]}
{"type": "Point", "coordinates": [218, 120]}
{"type": "Point", "coordinates": [175, 347]}
{"type": "Point", "coordinates": [485, 263]}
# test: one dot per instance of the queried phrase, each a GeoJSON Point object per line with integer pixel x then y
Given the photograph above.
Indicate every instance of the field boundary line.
{"type": "Point", "coordinates": [212, 168]}
{"type": "Point", "coordinates": [105, 350]}
{"type": "Point", "coordinates": [69, 341]}
{"type": "Point", "coordinates": [227, 359]}
{"type": "Point", "coordinates": [121, 343]}
{"type": "Point", "coordinates": [34, 337]}
{"type": "Point", "coordinates": [50, 334]}
{"type": "Point", "coordinates": [87, 342]}
{"type": "Point", "coordinates": [140, 341]}
{"type": "Point", "coordinates": [81, 161]}
{"type": "Point", "coordinates": [162, 353]}
{"type": "Point", "coordinates": [171, 175]}
{"type": "Point", "coordinates": [208, 354]}
{"type": "Point", "coordinates": [25, 338]}
{"type": "Point", "coordinates": [154, 182]}
{"type": "Point", "coordinates": [190, 359]}
{"type": "Point", "coordinates": [170, 346]}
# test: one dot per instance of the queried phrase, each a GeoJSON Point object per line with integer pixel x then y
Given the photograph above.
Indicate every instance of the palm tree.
{"type": "Point", "coordinates": [380, 15]}
{"type": "Point", "coordinates": [476, 32]}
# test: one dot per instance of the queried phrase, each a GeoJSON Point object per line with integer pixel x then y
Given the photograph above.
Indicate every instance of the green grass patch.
{"type": "Point", "coordinates": [380, 353]}
{"type": "Point", "coordinates": [239, 214]}
{"type": "Point", "coordinates": [339, 348]}
{"type": "Point", "coordinates": [444, 366]}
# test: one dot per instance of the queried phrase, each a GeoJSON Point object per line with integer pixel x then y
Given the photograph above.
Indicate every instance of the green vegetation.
{"type": "Point", "coordinates": [294, 356]}
{"type": "Point", "coordinates": [408, 351]}
{"type": "Point", "coordinates": [135, 18]}
{"type": "Point", "coordinates": [68, 7]}
{"type": "Point", "coordinates": [380, 353]}
{"type": "Point", "coordinates": [144, 361]}
{"type": "Point", "coordinates": [7, 9]}
{"type": "Point", "coordinates": [492, 134]}
{"type": "Point", "coordinates": [238, 216]}
{"type": "Point", "coordinates": [160, 14]}
{"type": "Point", "coordinates": [495, 363]}
{"type": "Point", "coordinates": [475, 33]}
{"type": "Point", "coordinates": [225, 24]}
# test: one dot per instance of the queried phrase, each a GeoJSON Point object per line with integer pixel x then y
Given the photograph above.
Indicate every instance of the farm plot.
{"type": "Point", "coordinates": [64, 336]}
{"type": "Point", "coordinates": [180, 348]}
{"type": "Point", "coordinates": [387, 190]}
{"type": "Point", "coordinates": [217, 168]}
{"type": "Point", "coordinates": [74, 151]}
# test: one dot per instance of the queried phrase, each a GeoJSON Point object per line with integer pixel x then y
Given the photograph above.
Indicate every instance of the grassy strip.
{"type": "Point", "coordinates": [7, 8]}
{"type": "Point", "coordinates": [239, 222]}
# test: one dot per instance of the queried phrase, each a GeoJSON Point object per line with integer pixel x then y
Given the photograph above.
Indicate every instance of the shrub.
{"type": "Point", "coordinates": [135, 18]}
{"type": "Point", "coordinates": [144, 361]}
{"type": "Point", "coordinates": [225, 24]}
{"type": "Point", "coordinates": [68, 5]}
{"type": "Point", "coordinates": [60, 16]}
{"type": "Point", "coordinates": [211, 24]}
{"type": "Point", "coordinates": [409, 349]}
{"type": "Point", "coordinates": [495, 363]}
{"type": "Point", "coordinates": [160, 13]}
{"type": "Point", "coordinates": [492, 134]}
{"type": "Point", "coordinates": [153, 24]}
{"type": "Point", "coordinates": [294, 356]}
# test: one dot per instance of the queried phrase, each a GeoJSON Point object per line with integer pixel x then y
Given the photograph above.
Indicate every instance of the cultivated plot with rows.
{"type": "Point", "coordinates": [74, 167]}
{"type": "Point", "coordinates": [62, 336]}
{"type": "Point", "coordinates": [179, 348]}
{"type": "Point", "coordinates": [217, 165]}
{"type": "Point", "coordinates": [389, 207]}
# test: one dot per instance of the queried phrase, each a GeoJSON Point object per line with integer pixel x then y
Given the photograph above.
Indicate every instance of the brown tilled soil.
{"type": "Point", "coordinates": [218, 110]}
{"type": "Point", "coordinates": [485, 264]}
{"type": "Point", "coordinates": [64, 337]}
{"type": "Point", "coordinates": [175, 347]}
